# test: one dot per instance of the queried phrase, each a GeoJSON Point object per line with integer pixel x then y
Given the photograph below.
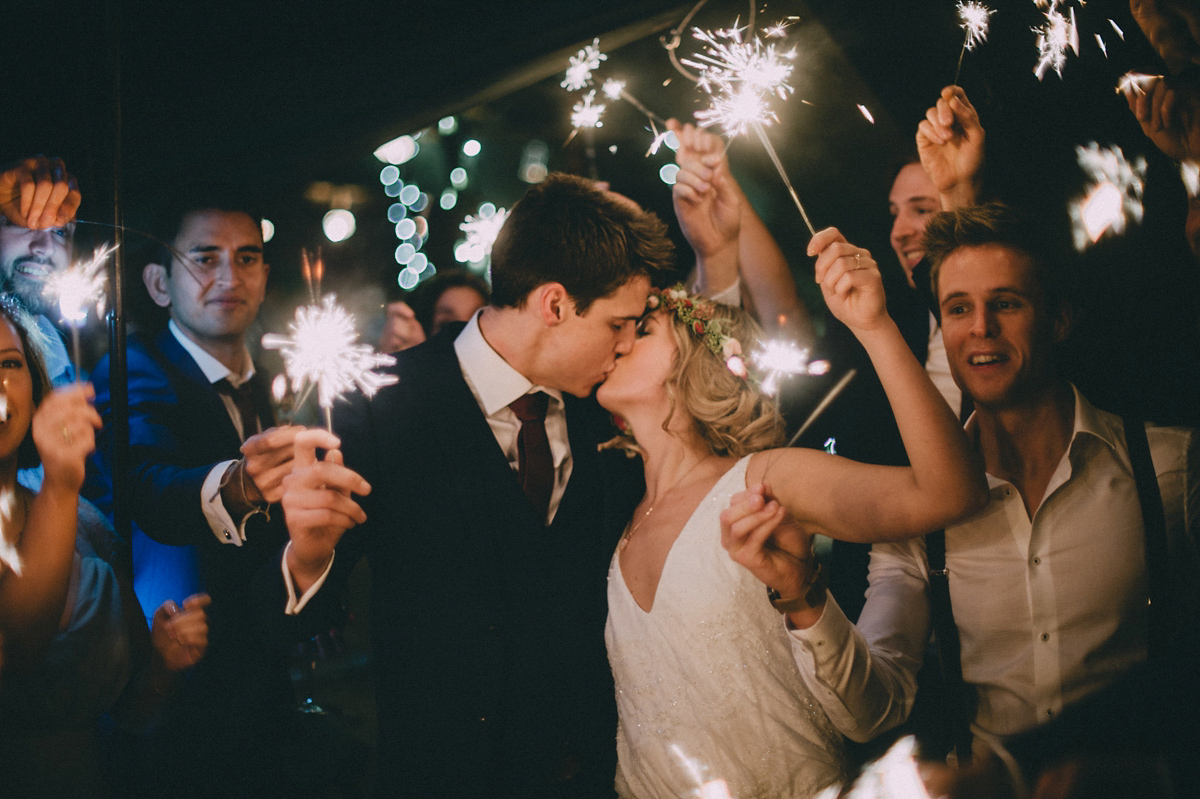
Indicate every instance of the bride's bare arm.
{"type": "Point", "coordinates": [861, 502]}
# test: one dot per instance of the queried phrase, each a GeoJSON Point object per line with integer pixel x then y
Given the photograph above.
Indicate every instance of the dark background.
{"type": "Point", "coordinates": [282, 95]}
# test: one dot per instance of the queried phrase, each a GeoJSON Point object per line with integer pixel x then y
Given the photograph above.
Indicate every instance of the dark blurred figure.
{"type": "Point", "coordinates": [452, 295]}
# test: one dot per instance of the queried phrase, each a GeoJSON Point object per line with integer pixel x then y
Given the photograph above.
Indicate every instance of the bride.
{"type": "Point", "coordinates": [707, 690]}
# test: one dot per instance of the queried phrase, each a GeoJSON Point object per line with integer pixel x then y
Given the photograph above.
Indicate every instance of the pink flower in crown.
{"type": "Point", "coordinates": [652, 301]}
{"type": "Point", "coordinates": [703, 311]}
{"type": "Point", "coordinates": [736, 365]}
{"type": "Point", "coordinates": [731, 348]}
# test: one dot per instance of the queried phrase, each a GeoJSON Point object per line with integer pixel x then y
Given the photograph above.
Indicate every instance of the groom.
{"type": "Point", "coordinates": [487, 514]}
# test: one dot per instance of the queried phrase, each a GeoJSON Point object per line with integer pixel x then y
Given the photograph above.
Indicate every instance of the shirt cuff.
{"type": "Point", "coordinates": [819, 644]}
{"type": "Point", "coordinates": [219, 520]}
{"type": "Point", "coordinates": [294, 606]}
{"type": "Point", "coordinates": [730, 296]}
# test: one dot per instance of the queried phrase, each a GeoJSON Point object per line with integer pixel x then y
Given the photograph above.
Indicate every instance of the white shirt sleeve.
{"type": "Point", "coordinates": [219, 520]}
{"type": "Point", "coordinates": [865, 676]}
{"type": "Point", "coordinates": [294, 605]}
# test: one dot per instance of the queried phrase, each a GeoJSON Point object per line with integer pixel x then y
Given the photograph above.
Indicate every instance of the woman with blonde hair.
{"type": "Point", "coordinates": [707, 689]}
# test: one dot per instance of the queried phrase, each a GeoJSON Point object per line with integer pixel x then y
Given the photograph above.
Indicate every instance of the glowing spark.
{"type": "Point", "coordinates": [80, 286]}
{"type": "Point", "coordinates": [322, 350]}
{"type": "Point", "coordinates": [862, 109]}
{"type": "Point", "coordinates": [830, 445]}
{"type": "Point", "coordinates": [1053, 39]}
{"type": "Point", "coordinates": [1114, 196]}
{"type": "Point", "coordinates": [1190, 172]}
{"type": "Point", "coordinates": [584, 114]}
{"type": "Point", "coordinates": [973, 18]}
{"type": "Point", "coordinates": [784, 359]}
{"type": "Point", "coordinates": [1103, 46]}
{"type": "Point", "coordinates": [740, 76]}
{"type": "Point", "coordinates": [482, 230]}
{"type": "Point", "coordinates": [8, 552]}
{"type": "Point", "coordinates": [612, 88]}
{"type": "Point", "coordinates": [776, 31]}
{"type": "Point", "coordinates": [1135, 83]}
{"type": "Point", "coordinates": [579, 74]}
{"type": "Point", "coordinates": [1117, 28]}
{"type": "Point", "coordinates": [658, 142]}
{"type": "Point", "coordinates": [279, 388]}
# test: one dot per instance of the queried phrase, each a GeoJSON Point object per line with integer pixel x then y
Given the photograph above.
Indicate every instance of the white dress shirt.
{"type": "Point", "coordinates": [1048, 609]}
{"type": "Point", "coordinates": [494, 384]}
{"type": "Point", "coordinates": [220, 522]}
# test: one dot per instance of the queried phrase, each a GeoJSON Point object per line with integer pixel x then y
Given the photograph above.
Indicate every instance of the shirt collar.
{"type": "Point", "coordinates": [495, 381]}
{"type": "Point", "coordinates": [1088, 422]}
{"type": "Point", "coordinates": [213, 369]}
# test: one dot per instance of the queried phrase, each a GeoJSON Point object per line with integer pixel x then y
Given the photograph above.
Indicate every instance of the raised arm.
{"type": "Point", "coordinates": [729, 238]}
{"type": "Point", "coordinates": [950, 143]}
{"type": "Point", "coordinates": [31, 603]}
{"type": "Point", "coordinates": [1168, 111]}
{"type": "Point", "coordinates": [39, 193]}
{"type": "Point", "coordinates": [860, 502]}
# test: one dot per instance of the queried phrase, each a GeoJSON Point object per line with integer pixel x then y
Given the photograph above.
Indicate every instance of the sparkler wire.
{"type": "Point", "coordinates": [762, 136]}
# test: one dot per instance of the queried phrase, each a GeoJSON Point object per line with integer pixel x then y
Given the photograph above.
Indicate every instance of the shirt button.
{"type": "Point", "coordinates": [1008, 492]}
{"type": "Point", "coordinates": [1049, 711]}
{"type": "Point", "coordinates": [227, 536]}
{"type": "Point", "coordinates": [1037, 561]}
{"type": "Point", "coordinates": [1045, 636]}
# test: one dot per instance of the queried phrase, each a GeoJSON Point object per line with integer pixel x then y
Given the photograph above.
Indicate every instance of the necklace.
{"type": "Point", "coordinates": [634, 527]}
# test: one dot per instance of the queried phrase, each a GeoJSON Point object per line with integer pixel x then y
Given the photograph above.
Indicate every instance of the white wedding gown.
{"type": "Point", "coordinates": [707, 689]}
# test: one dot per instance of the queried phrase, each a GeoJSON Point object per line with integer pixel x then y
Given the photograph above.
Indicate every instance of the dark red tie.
{"type": "Point", "coordinates": [535, 464]}
{"type": "Point", "coordinates": [243, 399]}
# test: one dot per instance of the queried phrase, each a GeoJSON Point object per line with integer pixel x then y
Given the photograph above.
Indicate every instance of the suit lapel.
{"type": "Point", "coordinates": [194, 387]}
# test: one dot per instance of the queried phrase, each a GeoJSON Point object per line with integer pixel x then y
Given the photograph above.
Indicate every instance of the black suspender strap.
{"type": "Point", "coordinates": [1155, 523]}
{"type": "Point", "coordinates": [946, 634]}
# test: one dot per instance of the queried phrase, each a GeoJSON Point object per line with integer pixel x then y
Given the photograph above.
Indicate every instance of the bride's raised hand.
{"type": "Point", "coordinates": [849, 279]}
{"type": "Point", "coordinates": [64, 431]}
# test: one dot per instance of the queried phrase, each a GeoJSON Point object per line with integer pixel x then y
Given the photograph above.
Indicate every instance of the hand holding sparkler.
{"type": "Point", "coordinates": [318, 506]}
{"type": "Point", "coordinates": [1169, 114]}
{"type": "Point", "coordinates": [64, 431]}
{"type": "Point", "coordinates": [850, 281]}
{"type": "Point", "coordinates": [950, 142]}
{"type": "Point", "coordinates": [266, 460]}
{"type": "Point", "coordinates": [38, 193]}
{"type": "Point", "coordinates": [707, 204]}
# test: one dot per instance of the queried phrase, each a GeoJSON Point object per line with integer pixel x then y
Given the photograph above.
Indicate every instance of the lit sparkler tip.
{"type": "Point", "coordinates": [579, 73]}
{"type": "Point", "coordinates": [1113, 198]}
{"type": "Point", "coordinates": [79, 286]}
{"type": "Point", "coordinates": [973, 18]}
{"type": "Point", "coordinates": [612, 88]}
{"type": "Point", "coordinates": [323, 350]}
{"type": "Point", "coordinates": [1136, 83]}
{"type": "Point", "coordinates": [1053, 38]}
{"type": "Point", "coordinates": [740, 73]}
{"type": "Point", "coordinates": [586, 113]}
{"type": "Point", "coordinates": [780, 358]}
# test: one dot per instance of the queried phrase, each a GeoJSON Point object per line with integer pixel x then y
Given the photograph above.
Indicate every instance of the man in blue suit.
{"type": "Point", "coordinates": [206, 465]}
{"type": "Point", "coordinates": [492, 515]}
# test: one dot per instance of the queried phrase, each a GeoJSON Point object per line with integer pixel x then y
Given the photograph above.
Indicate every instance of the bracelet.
{"type": "Point", "coordinates": [811, 593]}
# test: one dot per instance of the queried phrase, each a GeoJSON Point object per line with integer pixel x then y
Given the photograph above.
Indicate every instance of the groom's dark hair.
{"type": "Point", "coordinates": [565, 230]}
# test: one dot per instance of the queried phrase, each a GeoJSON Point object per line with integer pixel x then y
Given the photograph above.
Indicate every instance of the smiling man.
{"type": "Point", "coordinates": [1049, 583]}
{"type": "Point", "coordinates": [206, 463]}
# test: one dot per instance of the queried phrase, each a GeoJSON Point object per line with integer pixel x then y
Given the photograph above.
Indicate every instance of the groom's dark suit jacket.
{"type": "Point", "coordinates": [487, 626]}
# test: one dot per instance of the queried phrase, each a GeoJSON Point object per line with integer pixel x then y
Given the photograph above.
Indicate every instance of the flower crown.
{"type": "Point", "coordinates": [698, 313]}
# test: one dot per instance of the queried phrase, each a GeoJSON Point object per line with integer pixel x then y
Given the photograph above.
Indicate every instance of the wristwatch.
{"type": "Point", "coordinates": [811, 594]}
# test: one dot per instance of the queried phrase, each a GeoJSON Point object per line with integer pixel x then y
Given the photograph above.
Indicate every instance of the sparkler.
{"type": "Point", "coordinates": [784, 359]}
{"type": "Point", "coordinates": [896, 775]}
{"type": "Point", "coordinates": [741, 75]}
{"type": "Point", "coordinates": [1053, 38]}
{"type": "Point", "coordinates": [1113, 198]}
{"type": "Point", "coordinates": [586, 114]}
{"type": "Point", "coordinates": [615, 90]}
{"type": "Point", "coordinates": [1136, 83]}
{"type": "Point", "coordinates": [482, 230]}
{"type": "Point", "coordinates": [8, 499]}
{"type": "Point", "coordinates": [81, 285]}
{"type": "Point", "coordinates": [973, 18]}
{"type": "Point", "coordinates": [323, 351]}
{"type": "Point", "coordinates": [579, 74]}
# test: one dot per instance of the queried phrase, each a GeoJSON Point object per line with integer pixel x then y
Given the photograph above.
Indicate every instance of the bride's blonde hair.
{"type": "Point", "coordinates": [730, 414]}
